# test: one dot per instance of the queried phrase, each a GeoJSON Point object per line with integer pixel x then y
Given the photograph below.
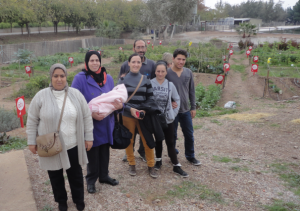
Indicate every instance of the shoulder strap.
{"type": "Point", "coordinates": [167, 98]}
{"type": "Point", "coordinates": [62, 111]}
{"type": "Point", "coordinates": [138, 86]}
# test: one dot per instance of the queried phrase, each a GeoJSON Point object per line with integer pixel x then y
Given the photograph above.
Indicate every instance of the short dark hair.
{"type": "Point", "coordinates": [139, 40]}
{"type": "Point", "coordinates": [161, 62]}
{"type": "Point", "coordinates": [132, 55]}
{"type": "Point", "coordinates": [181, 52]}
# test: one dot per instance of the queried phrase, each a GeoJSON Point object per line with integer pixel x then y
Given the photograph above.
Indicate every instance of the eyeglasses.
{"type": "Point", "coordinates": [140, 47]}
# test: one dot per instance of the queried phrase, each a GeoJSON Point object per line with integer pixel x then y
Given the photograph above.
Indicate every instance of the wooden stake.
{"type": "Point", "coordinates": [266, 82]}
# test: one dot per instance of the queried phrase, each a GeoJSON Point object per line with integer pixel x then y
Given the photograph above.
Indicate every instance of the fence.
{"type": "Point", "coordinates": [7, 52]}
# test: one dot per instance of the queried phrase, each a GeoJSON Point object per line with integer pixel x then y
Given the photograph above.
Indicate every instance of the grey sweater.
{"type": "Point", "coordinates": [143, 93]}
{"type": "Point", "coordinates": [185, 88]}
{"type": "Point", "coordinates": [161, 98]}
{"type": "Point", "coordinates": [43, 118]}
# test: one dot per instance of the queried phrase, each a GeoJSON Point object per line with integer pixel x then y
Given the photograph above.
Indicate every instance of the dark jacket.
{"type": "Point", "coordinates": [151, 124]}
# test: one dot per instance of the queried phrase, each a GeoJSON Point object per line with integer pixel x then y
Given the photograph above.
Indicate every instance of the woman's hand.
{"type": "Point", "coordinates": [133, 113]}
{"type": "Point", "coordinates": [33, 148]}
{"type": "Point", "coordinates": [88, 145]}
{"type": "Point", "coordinates": [117, 104]}
{"type": "Point", "coordinates": [98, 116]}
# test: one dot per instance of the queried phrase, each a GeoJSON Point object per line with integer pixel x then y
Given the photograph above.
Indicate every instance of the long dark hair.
{"type": "Point", "coordinates": [132, 55]}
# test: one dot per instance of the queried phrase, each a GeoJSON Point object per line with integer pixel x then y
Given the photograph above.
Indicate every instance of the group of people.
{"type": "Point", "coordinates": [164, 87]}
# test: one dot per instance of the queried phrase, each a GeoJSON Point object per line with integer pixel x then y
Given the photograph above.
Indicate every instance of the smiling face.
{"type": "Point", "coordinates": [59, 79]}
{"type": "Point", "coordinates": [135, 64]}
{"type": "Point", "coordinates": [94, 63]}
{"type": "Point", "coordinates": [160, 72]}
{"type": "Point", "coordinates": [140, 48]}
{"type": "Point", "coordinates": [179, 61]}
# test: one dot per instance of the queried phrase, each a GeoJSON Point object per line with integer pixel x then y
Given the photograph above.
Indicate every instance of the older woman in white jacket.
{"type": "Point", "coordinates": [76, 135]}
{"type": "Point", "coordinates": [164, 92]}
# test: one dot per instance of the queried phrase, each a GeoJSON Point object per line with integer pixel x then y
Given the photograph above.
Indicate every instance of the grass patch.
{"type": "Point", "coordinates": [189, 189]}
{"type": "Point", "coordinates": [196, 127]}
{"type": "Point", "coordinates": [278, 71]}
{"type": "Point", "coordinates": [274, 125]}
{"type": "Point", "coordinates": [240, 168]}
{"type": "Point", "coordinates": [13, 143]}
{"type": "Point", "coordinates": [286, 173]}
{"type": "Point", "coordinates": [226, 159]}
{"type": "Point", "coordinates": [279, 205]}
{"type": "Point", "coordinates": [215, 121]}
{"type": "Point", "coordinates": [47, 207]}
{"type": "Point", "coordinates": [47, 182]}
{"type": "Point", "coordinates": [238, 68]}
{"type": "Point", "coordinates": [216, 111]}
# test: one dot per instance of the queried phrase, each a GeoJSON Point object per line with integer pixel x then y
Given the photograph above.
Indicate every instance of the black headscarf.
{"type": "Point", "coordinates": [99, 76]}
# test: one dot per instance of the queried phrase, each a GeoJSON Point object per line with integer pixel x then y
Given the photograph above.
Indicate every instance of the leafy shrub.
{"type": "Point", "coordinates": [293, 58]}
{"type": "Point", "coordinates": [207, 97]}
{"type": "Point", "coordinates": [9, 143]}
{"type": "Point", "coordinates": [8, 120]}
{"type": "Point", "coordinates": [24, 56]}
{"type": "Point", "coordinates": [122, 57]}
{"type": "Point", "coordinates": [34, 85]}
{"type": "Point", "coordinates": [108, 29]}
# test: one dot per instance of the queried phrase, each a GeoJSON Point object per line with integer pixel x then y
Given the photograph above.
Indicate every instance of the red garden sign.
{"type": "Point", "coordinates": [248, 52]}
{"type": "Point", "coordinates": [71, 60]}
{"type": "Point", "coordinates": [250, 48]}
{"type": "Point", "coordinates": [120, 48]}
{"type": "Point", "coordinates": [231, 51]}
{"type": "Point", "coordinates": [152, 46]}
{"type": "Point", "coordinates": [224, 58]}
{"type": "Point", "coordinates": [254, 68]}
{"type": "Point", "coordinates": [28, 70]}
{"type": "Point", "coordinates": [219, 79]}
{"type": "Point", "coordinates": [148, 42]}
{"type": "Point", "coordinates": [160, 42]}
{"type": "Point", "coordinates": [255, 59]}
{"type": "Point", "coordinates": [230, 45]}
{"type": "Point", "coordinates": [20, 103]}
{"type": "Point", "coordinates": [226, 67]}
{"type": "Point", "coordinates": [99, 52]}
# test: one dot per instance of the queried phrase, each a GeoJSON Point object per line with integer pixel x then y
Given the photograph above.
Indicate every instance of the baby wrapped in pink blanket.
{"type": "Point", "coordinates": [103, 103]}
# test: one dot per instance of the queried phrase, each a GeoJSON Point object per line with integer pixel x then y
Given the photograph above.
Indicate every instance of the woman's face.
{"type": "Point", "coordinates": [161, 72]}
{"type": "Point", "coordinates": [94, 63]}
{"type": "Point", "coordinates": [59, 79]}
{"type": "Point", "coordinates": [135, 64]}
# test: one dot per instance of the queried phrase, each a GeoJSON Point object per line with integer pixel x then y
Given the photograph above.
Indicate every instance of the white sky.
{"type": "Point", "coordinates": [211, 3]}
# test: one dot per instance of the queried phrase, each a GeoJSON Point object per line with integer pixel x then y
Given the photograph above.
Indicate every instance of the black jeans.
{"type": "Point", "coordinates": [169, 138]}
{"type": "Point", "coordinates": [75, 178]}
{"type": "Point", "coordinates": [97, 168]}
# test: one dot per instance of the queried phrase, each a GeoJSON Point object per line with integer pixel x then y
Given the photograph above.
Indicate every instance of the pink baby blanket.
{"type": "Point", "coordinates": [103, 103]}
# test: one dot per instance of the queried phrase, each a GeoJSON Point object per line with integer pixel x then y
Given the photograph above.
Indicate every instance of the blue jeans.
{"type": "Point", "coordinates": [186, 125]}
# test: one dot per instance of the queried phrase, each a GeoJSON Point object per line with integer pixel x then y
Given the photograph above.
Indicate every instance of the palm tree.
{"type": "Point", "coordinates": [246, 28]}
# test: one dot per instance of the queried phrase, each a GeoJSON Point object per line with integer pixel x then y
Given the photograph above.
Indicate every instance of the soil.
{"type": "Point", "coordinates": [246, 182]}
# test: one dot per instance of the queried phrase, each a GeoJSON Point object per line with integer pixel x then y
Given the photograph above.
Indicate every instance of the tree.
{"type": "Point", "coordinates": [76, 12]}
{"type": "Point", "coordinates": [9, 11]}
{"type": "Point", "coordinates": [56, 11]}
{"type": "Point", "coordinates": [40, 10]}
{"type": "Point", "coordinates": [108, 29]}
{"type": "Point", "coordinates": [27, 14]}
{"type": "Point", "coordinates": [246, 28]}
{"type": "Point", "coordinates": [296, 11]}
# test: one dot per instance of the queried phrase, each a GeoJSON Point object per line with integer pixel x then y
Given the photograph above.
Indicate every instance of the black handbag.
{"type": "Point", "coordinates": [162, 116]}
{"type": "Point", "coordinates": [121, 135]}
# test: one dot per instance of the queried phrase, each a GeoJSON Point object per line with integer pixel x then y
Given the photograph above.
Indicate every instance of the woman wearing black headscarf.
{"type": "Point", "coordinates": [92, 82]}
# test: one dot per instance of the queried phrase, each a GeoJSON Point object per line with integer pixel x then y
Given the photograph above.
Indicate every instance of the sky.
{"type": "Point", "coordinates": [285, 3]}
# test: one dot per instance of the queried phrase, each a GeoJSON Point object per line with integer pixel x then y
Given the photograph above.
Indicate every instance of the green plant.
{"type": "Point", "coordinates": [47, 208]}
{"type": "Point", "coordinates": [240, 168]}
{"type": "Point", "coordinates": [188, 189]}
{"type": "Point", "coordinates": [279, 205]}
{"type": "Point", "coordinates": [8, 120]}
{"type": "Point", "coordinates": [12, 143]}
{"type": "Point", "coordinates": [207, 97]}
{"type": "Point", "coordinates": [24, 56]}
{"type": "Point", "coordinates": [108, 29]}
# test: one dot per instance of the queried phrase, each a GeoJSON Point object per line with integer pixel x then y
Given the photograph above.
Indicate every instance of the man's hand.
{"type": "Point", "coordinates": [88, 145]}
{"type": "Point", "coordinates": [174, 105]}
{"type": "Point", "coordinates": [97, 116]}
{"type": "Point", "coordinates": [33, 148]}
{"type": "Point", "coordinates": [117, 104]}
{"type": "Point", "coordinates": [193, 113]}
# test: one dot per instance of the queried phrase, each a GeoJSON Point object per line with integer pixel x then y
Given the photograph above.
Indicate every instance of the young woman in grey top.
{"type": "Point", "coordinates": [164, 91]}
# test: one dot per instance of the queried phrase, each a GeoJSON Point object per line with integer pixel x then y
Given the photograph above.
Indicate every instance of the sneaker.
{"type": "Point", "coordinates": [158, 165]}
{"type": "Point", "coordinates": [194, 161]}
{"type": "Point", "coordinates": [152, 172]}
{"type": "Point", "coordinates": [124, 158]}
{"type": "Point", "coordinates": [179, 171]}
{"type": "Point", "coordinates": [132, 171]}
{"type": "Point", "coordinates": [143, 158]}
